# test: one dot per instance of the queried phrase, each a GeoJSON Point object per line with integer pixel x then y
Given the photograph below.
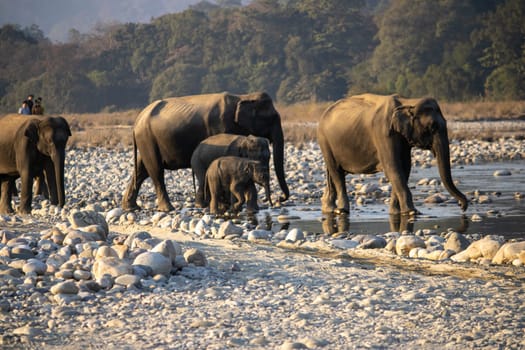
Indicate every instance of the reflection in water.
{"type": "Point", "coordinates": [333, 224]}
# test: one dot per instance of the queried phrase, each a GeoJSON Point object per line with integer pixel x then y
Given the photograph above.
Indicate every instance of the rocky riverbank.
{"type": "Point", "coordinates": [92, 275]}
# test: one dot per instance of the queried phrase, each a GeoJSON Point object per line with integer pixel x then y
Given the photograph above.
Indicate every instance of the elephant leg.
{"type": "Point", "coordinates": [215, 198]}
{"type": "Point", "coordinates": [5, 195]}
{"type": "Point", "coordinates": [26, 193]}
{"type": "Point", "coordinates": [47, 183]}
{"type": "Point", "coordinates": [238, 193]}
{"type": "Point", "coordinates": [251, 200]}
{"type": "Point", "coordinates": [401, 199]}
{"type": "Point", "coordinates": [129, 201]}
{"type": "Point", "coordinates": [156, 173]}
{"type": "Point", "coordinates": [335, 192]}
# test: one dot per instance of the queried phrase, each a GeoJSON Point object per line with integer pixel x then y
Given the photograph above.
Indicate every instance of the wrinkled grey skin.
{"type": "Point", "coordinates": [167, 132]}
{"type": "Point", "coordinates": [235, 178]}
{"type": "Point", "coordinates": [30, 146]}
{"type": "Point", "coordinates": [368, 133]}
{"type": "Point", "coordinates": [251, 147]}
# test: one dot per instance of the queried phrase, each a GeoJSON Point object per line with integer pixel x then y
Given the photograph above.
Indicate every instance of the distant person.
{"type": "Point", "coordinates": [30, 101]}
{"type": "Point", "coordinates": [24, 109]}
{"type": "Point", "coordinates": [38, 109]}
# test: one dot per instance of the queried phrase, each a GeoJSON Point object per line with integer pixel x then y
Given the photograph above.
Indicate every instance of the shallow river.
{"type": "Point", "coordinates": [504, 215]}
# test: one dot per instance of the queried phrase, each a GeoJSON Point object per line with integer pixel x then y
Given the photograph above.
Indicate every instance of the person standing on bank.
{"type": "Point", "coordinates": [29, 101]}
{"type": "Point", "coordinates": [24, 109]}
{"type": "Point", "coordinates": [38, 109]}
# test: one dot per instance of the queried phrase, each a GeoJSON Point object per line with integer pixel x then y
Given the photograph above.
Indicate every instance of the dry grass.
{"type": "Point", "coordinates": [300, 123]}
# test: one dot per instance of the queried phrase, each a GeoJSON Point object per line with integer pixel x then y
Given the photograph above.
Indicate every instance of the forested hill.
{"type": "Point", "coordinates": [295, 50]}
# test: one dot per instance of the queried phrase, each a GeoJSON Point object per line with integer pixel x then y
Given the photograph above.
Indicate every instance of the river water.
{"type": "Point", "coordinates": [504, 215]}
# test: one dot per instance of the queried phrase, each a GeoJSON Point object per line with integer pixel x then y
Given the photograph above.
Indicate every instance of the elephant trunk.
{"type": "Point", "coordinates": [58, 159]}
{"type": "Point", "coordinates": [277, 139]}
{"type": "Point", "coordinates": [441, 151]}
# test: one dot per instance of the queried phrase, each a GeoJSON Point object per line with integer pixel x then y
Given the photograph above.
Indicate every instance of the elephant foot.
{"type": "Point", "coordinates": [130, 206]}
{"type": "Point", "coordinates": [24, 211]}
{"type": "Point", "coordinates": [165, 207]}
{"type": "Point", "coordinates": [341, 211]}
{"type": "Point", "coordinates": [411, 213]}
{"type": "Point", "coordinates": [6, 210]}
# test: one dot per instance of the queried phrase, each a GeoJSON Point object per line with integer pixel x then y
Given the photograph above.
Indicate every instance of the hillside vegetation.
{"type": "Point", "coordinates": [296, 50]}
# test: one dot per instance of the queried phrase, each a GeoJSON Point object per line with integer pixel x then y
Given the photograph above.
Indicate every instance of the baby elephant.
{"type": "Point", "coordinates": [221, 145]}
{"type": "Point", "coordinates": [232, 179]}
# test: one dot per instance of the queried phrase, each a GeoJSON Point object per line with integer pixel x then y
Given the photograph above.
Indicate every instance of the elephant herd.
{"type": "Point", "coordinates": [226, 139]}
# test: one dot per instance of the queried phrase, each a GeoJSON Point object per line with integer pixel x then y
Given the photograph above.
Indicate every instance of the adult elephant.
{"type": "Point", "coordinates": [251, 147]}
{"type": "Point", "coordinates": [167, 132]}
{"type": "Point", "coordinates": [31, 146]}
{"type": "Point", "coordinates": [368, 133]}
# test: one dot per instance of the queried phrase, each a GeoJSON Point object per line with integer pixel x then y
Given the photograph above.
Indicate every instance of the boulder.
{"type": "Point", "coordinates": [158, 263]}
{"type": "Point", "coordinates": [508, 252]}
{"type": "Point", "coordinates": [456, 242]}
{"type": "Point", "coordinates": [195, 257]}
{"type": "Point", "coordinates": [83, 218]}
{"type": "Point", "coordinates": [486, 248]}
{"type": "Point", "coordinates": [405, 244]}
{"type": "Point", "coordinates": [110, 266]}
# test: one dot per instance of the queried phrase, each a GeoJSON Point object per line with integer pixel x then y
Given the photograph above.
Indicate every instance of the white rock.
{"type": "Point", "coordinates": [158, 263]}
{"type": "Point", "coordinates": [344, 243]}
{"type": "Point", "coordinates": [508, 252]}
{"type": "Point", "coordinates": [295, 235]}
{"type": "Point", "coordinates": [405, 244]}
{"type": "Point", "coordinates": [110, 266]}
{"type": "Point", "coordinates": [504, 172]}
{"type": "Point", "coordinates": [67, 287]}
{"type": "Point", "coordinates": [34, 266]}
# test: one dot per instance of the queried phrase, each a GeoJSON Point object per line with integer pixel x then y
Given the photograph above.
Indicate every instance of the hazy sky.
{"type": "Point", "coordinates": [56, 17]}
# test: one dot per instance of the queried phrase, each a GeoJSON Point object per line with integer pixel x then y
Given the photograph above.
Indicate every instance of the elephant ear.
{"type": "Point", "coordinates": [402, 121]}
{"type": "Point", "coordinates": [31, 131]}
{"type": "Point", "coordinates": [65, 125]}
{"type": "Point", "coordinates": [245, 114]}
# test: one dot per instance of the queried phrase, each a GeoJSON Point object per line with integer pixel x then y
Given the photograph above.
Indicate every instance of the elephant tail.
{"type": "Point", "coordinates": [194, 187]}
{"type": "Point", "coordinates": [136, 166]}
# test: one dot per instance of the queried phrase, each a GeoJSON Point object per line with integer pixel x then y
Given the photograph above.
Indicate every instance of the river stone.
{"type": "Point", "coordinates": [508, 252]}
{"type": "Point", "coordinates": [370, 241]}
{"type": "Point", "coordinates": [110, 266]}
{"type": "Point", "coordinates": [195, 257]}
{"type": "Point", "coordinates": [142, 235]}
{"type": "Point", "coordinates": [504, 172]}
{"type": "Point", "coordinates": [406, 243]}
{"type": "Point", "coordinates": [81, 275]}
{"type": "Point", "coordinates": [256, 235]}
{"type": "Point", "coordinates": [84, 218]}
{"type": "Point", "coordinates": [436, 198]}
{"type": "Point", "coordinates": [77, 236]}
{"type": "Point", "coordinates": [21, 252]}
{"type": "Point", "coordinates": [114, 214]}
{"type": "Point", "coordinates": [344, 243]}
{"type": "Point", "coordinates": [166, 248]}
{"type": "Point", "coordinates": [295, 235]}
{"type": "Point", "coordinates": [34, 266]}
{"type": "Point", "coordinates": [456, 242]}
{"type": "Point", "coordinates": [128, 280]}
{"type": "Point", "coordinates": [6, 235]}
{"type": "Point", "coordinates": [228, 228]}
{"type": "Point", "coordinates": [67, 287]}
{"type": "Point", "coordinates": [486, 247]}
{"type": "Point", "coordinates": [106, 252]}
{"type": "Point", "coordinates": [158, 263]}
